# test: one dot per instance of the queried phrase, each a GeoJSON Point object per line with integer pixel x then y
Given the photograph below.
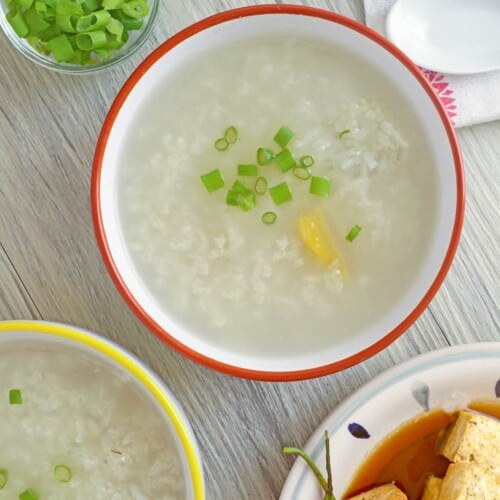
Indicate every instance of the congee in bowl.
{"type": "Point", "coordinates": [278, 195]}
{"type": "Point", "coordinates": [83, 419]}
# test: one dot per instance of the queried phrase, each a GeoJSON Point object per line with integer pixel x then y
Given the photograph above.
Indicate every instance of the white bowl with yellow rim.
{"type": "Point", "coordinates": [34, 348]}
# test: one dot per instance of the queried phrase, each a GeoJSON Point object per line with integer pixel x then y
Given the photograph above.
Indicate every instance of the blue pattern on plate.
{"type": "Point", "coordinates": [420, 391]}
{"type": "Point", "coordinates": [358, 431]}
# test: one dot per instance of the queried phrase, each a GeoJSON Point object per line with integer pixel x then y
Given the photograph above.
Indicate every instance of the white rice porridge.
{"type": "Point", "coordinates": [78, 412]}
{"type": "Point", "coordinates": [234, 281]}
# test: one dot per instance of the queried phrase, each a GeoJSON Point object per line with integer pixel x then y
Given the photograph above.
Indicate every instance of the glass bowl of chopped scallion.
{"type": "Point", "coordinates": [77, 36]}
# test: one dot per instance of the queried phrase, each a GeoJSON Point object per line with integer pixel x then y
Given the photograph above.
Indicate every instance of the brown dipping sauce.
{"type": "Point", "coordinates": [408, 456]}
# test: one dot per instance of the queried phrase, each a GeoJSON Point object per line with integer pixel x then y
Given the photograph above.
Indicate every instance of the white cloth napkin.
{"type": "Point", "coordinates": [468, 99]}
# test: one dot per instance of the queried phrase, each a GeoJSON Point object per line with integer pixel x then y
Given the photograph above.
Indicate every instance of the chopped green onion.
{"type": "Point", "coordinates": [112, 4]}
{"type": "Point", "coordinates": [302, 173]}
{"type": "Point", "coordinates": [35, 21]}
{"type": "Point", "coordinates": [48, 26]}
{"type": "Point", "coordinates": [269, 218]}
{"type": "Point", "coordinates": [24, 4]}
{"type": "Point", "coordinates": [280, 193]}
{"type": "Point", "coordinates": [91, 5]}
{"type": "Point", "coordinates": [221, 144]}
{"type": "Point", "coordinates": [129, 23]}
{"type": "Point", "coordinates": [264, 156]}
{"type": "Point", "coordinates": [240, 188]}
{"type": "Point", "coordinates": [91, 41]}
{"type": "Point", "coordinates": [96, 21]}
{"type": "Point", "coordinates": [212, 180]}
{"type": "Point", "coordinates": [16, 20]}
{"type": "Point", "coordinates": [68, 8]}
{"type": "Point", "coordinates": [232, 198]}
{"type": "Point", "coordinates": [231, 135]}
{"type": "Point", "coordinates": [66, 22]}
{"type": "Point", "coordinates": [320, 186]}
{"type": "Point", "coordinates": [353, 233]}
{"type": "Point", "coordinates": [344, 132]}
{"type": "Point", "coordinates": [63, 473]}
{"type": "Point", "coordinates": [285, 160]}
{"type": "Point", "coordinates": [261, 185]}
{"type": "Point", "coordinates": [61, 48]}
{"type": "Point", "coordinates": [15, 397]}
{"type": "Point", "coordinates": [29, 494]}
{"type": "Point", "coordinates": [246, 202]}
{"type": "Point", "coordinates": [306, 161]}
{"type": "Point", "coordinates": [135, 8]}
{"type": "Point", "coordinates": [247, 170]}
{"type": "Point", "coordinates": [4, 477]}
{"type": "Point", "coordinates": [283, 136]}
{"type": "Point", "coordinates": [115, 27]}
{"type": "Point", "coordinates": [241, 196]}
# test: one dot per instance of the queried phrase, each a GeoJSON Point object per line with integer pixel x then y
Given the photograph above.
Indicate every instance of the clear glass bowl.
{"type": "Point", "coordinates": [137, 38]}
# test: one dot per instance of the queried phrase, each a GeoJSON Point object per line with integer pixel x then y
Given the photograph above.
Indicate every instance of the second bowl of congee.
{"type": "Point", "coordinates": [82, 418]}
{"type": "Point", "coordinates": [277, 192]}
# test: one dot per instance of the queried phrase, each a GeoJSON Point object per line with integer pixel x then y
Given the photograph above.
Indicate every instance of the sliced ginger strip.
{"type": "Point", "coordinates": [318, 239]}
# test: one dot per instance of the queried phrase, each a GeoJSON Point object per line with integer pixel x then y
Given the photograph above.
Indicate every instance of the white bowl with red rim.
{"type": "Point", "coordinates": [225, 28]}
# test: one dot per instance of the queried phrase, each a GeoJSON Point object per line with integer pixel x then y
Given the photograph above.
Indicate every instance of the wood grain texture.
{"type": "Point", "coordinates": [50, 267]}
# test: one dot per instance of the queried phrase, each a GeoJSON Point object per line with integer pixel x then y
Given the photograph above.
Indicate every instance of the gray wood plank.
{"type": "Point", "coordinates": [15, 300]}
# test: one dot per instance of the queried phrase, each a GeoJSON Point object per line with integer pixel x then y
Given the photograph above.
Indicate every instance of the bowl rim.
{"type": "Point", "coordinates": [148, 321]}
{"type": "Point", "coordinates": [171, 409]}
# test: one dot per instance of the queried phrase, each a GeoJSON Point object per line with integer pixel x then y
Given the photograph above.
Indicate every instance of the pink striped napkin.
{"type": "Point", "coordinates": [468, 99]}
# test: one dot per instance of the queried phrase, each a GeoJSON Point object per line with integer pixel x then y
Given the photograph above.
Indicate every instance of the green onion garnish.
{"type": "Point", "coordinates": [344, 132]}
{"type": "Point", "coordinates": [50, 26]}
{"type": "Point", "coordinates": [320, 186]}
{"type": "Point", "coordinates": [95, 21]}
{"type": "Point", "coordinates": [241, 196]}
{"type": "Point", "coordinates": [247, 170]}
{"type": "Point", "coordinates": [16, 20]}
{"type": "Point", "coordinates": [4, 477]}
{"type": "Point", "coordinates": [326, 484]}
{"type": "Point", "coordinates": [353, 233]}
{"type": "Point", "coordinates": [63, 473]}
{"type": "Point", "coordinates": [285, 160]}
{"type": "Point", "coordinates": [280, 193]}
{"type": "Point", "coordinates": [61, 48]}
{"type": "Point", "coordinates": [232, 198]}
{"type": "Point", "coordinates": [240, 188]}
{"type": "Point", "coordinates": [269, 218]}
{"type": "Point", "coordinates": [212, 180]}
{"type": "Point", "coordinates": [302, 173]}
{"type": "Point", "coordinates": [264, 156]}
{"type": "Point", "coordinates": [135, 8]}
{"type": "Point", "coordinates": [29, 494]}
{"type": "Point", "coordinates": [15, 397]}
{"type": "Point", "coordinates": [261, 185]}
{"type": "Point", "coordinates": [283, 136]}
{"type": "Point", "coordinates": [221, 144]}
{"type": "Point", "coordinates": [231, 135]}
{"type": "Point", "coordinates": [306, 161]}
{"type": "Point", "coordinates": [246, 202]}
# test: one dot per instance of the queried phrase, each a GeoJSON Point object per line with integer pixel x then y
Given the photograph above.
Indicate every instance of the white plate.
{"type": "Point", "coordinates": [447, 378]}
{"type": "Point", "coordinates": [450, 36]}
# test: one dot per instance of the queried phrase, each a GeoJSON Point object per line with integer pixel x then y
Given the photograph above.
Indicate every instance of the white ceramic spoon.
{"type": "Point", "coordinates": [449, 36]}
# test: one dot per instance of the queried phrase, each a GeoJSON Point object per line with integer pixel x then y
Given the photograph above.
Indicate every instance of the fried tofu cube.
{"type": "Point", "coordinates": [385, 492]}
{"type": "Point", "coordinates": [432, 488]}
{"type": "Point", "coordinates": [469, 482]}
{"type": "Point", "coordinates": [473, 439]}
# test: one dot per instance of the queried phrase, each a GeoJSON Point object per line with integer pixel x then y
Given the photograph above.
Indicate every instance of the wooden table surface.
{"type": "Point", "coordinates": [50, 267]}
